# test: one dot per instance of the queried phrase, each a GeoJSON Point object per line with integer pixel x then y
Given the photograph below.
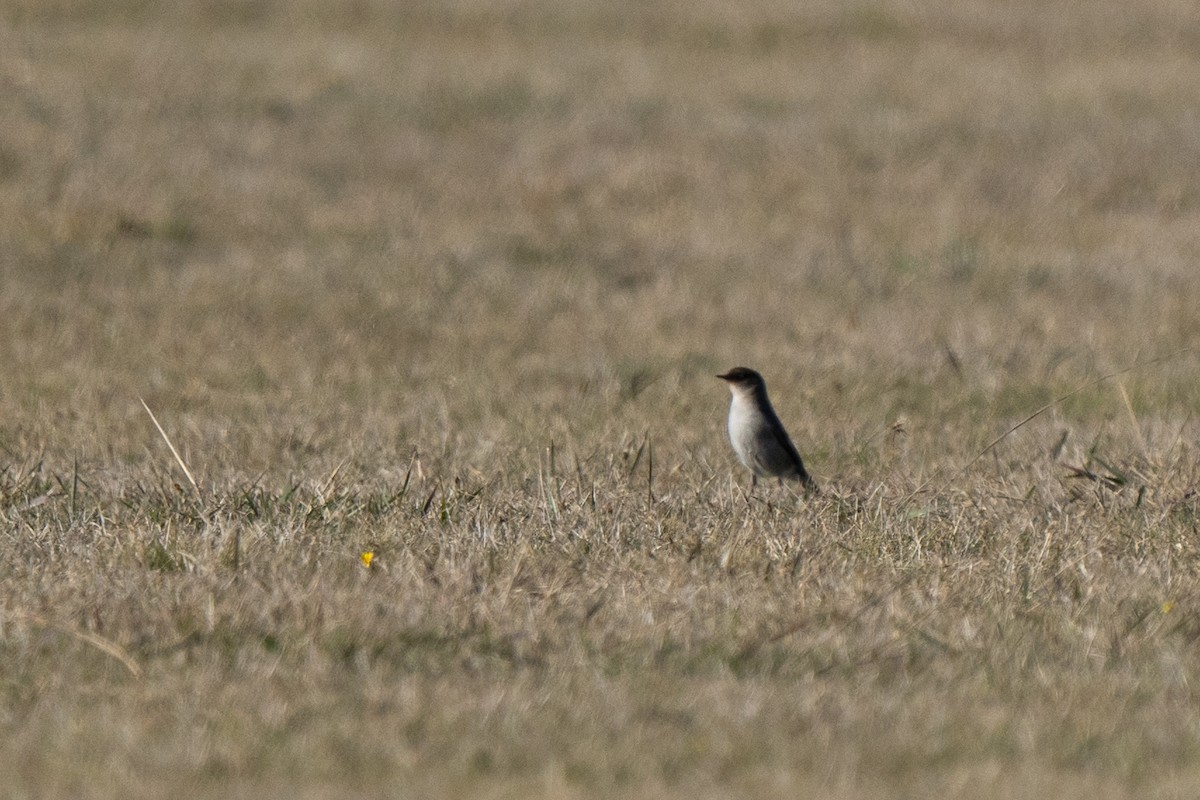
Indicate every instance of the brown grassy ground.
{"type": "Point", "coordinates": [448, 282]}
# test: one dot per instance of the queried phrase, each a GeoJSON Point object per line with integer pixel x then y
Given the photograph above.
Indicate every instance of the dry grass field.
{"type": "Point", "coordinates": [448, 282]}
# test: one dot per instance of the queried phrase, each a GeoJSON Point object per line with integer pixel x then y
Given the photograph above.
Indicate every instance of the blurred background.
{"type": "Point", "coordinates": [307, 232]}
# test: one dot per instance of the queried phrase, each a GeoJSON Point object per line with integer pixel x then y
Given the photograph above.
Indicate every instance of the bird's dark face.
{"type": "Point", "coordinates": [742, 378]}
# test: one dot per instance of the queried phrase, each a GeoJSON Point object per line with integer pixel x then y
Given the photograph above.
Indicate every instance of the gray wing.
{"type": "Point", "coordinates": [788, 451]}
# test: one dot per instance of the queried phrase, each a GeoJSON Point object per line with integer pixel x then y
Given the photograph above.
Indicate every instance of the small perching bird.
{"type": "Point", "coordinates": [757, 435]}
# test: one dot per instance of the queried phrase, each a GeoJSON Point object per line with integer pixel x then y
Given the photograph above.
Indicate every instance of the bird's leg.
{"type": "Point", "coordinates": [747, 496]}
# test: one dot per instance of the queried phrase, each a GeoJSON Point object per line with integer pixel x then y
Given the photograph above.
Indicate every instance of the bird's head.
{"type": "Point", "coordinates": [743, 380]}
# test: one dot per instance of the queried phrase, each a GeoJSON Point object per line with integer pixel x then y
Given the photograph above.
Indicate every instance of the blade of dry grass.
{"type": "Point", "coordinates": [105, 646]}
{"type": "Point", "coordinates": [178, 459]}
{"type": "Point", "coordinates": [1133, 421]}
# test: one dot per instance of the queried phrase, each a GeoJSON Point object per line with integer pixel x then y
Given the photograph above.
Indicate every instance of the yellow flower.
{"type": "Point", "coordinates": [1167, 606]}
{"type": "Point", "coordinates": [366, 558]}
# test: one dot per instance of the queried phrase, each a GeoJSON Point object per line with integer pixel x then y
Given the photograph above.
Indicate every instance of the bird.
{"type": "Point", "coordinates": [757, 435]}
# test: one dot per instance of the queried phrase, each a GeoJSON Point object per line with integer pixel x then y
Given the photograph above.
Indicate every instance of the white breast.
{"type": "Point", "coordinates": [745, 423]}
